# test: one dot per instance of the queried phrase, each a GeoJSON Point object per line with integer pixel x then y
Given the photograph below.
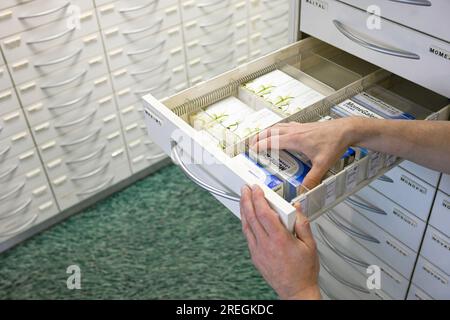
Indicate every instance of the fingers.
{"type": "Point", "coordinates": [267, 217]}
{"type": "Point", "coordinates": [276, 130]}
{"type": "Point", "coordinates": [249, 216]}
{"type": "Point", "coordinates": [314, 177]}
{"type": "Point", "coordinates": [251, 239]}
{"type": "Point", "coordinates": [303, 229]}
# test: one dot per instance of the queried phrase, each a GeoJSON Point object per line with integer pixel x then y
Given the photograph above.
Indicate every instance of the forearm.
{"type": "Point", "coordinates": [423, 142]}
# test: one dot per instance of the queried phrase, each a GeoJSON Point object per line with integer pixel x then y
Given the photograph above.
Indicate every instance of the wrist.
{"type": "Point", "coordinates": [353, 130]}
{"type": "Point", "coordinates": [309, 293]}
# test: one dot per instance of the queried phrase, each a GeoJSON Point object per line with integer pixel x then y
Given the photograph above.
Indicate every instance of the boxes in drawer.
{"type": "Point", "coordinates": [440, 214]}
{"type": "Point", "coordinates": [406, 52]}
{"type": "Point", "coordinates": [431, 279]}
{"type": "Point", "coordinates": [427, 175]}
{"type": "Point", "coordinates": [444, 184]}
{"type": "Point", "coordinates": [408, 191]}
{"type": "Point", "coordinates": [436, 249]}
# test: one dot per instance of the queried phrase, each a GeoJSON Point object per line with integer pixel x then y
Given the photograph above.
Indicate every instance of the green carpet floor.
{"type": "Point", "coordinates": [161, 238]}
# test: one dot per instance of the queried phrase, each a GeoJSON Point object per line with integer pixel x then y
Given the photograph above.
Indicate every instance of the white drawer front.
{"type": "Point", "coordinates": [257, 6]}
{"type": "Point", "coordinates": [440, 215]}
{"type": "Point", "coordinates": [117, 12]}
{"type": "Point", "coordinates": [14, 167]}
{"type": "Point", "coordinates": [270, 22]}
{"type": "Point", "coordinates": [261, 44]}
{"type": "Point", "coordinates": [436, 249]}
{"type": "Point", "coordinates": [427, 175]}
{"type": "Point", "coordinates": [132, 113]}
{"type": "Point", "coordinates": [5, 81]}
{"type": "Point", "coordinates": [444, 184]}
{"type": "Point", "coordinates": [423, 15]}
{"type": "Point", "coordinates": [135, 130]}
{"type": "Point", "coordinates": [15, 144]}
{"type": "Point", "coordinates": [344, 253]}
{"type": "Point", "coordinates": [431, 279]}
{"type": "Point", "coordinates": [416, 293]}
{"type": "Point", "coordinates": [56, 58]}
{"type": "Point", "coordinates": [8, 101]}
{"type": "Point", "coordinates": [408, 191]}
{"type": "Point", "coordinates": [403, 51]}
{"type": "Point", "coordinates": [12, 123]}
{"type": "Point", "coordinates": [388, 215]}
{"type": "Point", "coordinates": [143, 153]}
{"type": "Point", "coordinates": [37, 13]}
{"type": "Point", "coordinates": [34, 41]}
{"type": "Point", "coordinates": [192, 9]}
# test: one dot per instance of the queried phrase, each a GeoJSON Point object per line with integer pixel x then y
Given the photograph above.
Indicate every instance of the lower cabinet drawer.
{"type": "Point", "coordinates": [427, 175]}
{"type": "Point", "coordinates": [431, 279]}
{"type": "Point", "coordinates": [436, 249]}
{"type": "Point", "coordinates": [416, 293]}
{"type": "Point", "coordinates": [14, 167]}
{"type": "Point", "coordinates": [394, 47]}
{"type": "Point", "coordinates": [408, 191]}
{"type": "Point", "coordinates": [359, 258]}
{"type": "Point", "coordinates": [440, 215]}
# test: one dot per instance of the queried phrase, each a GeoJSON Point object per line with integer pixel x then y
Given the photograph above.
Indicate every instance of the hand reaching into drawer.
{"type": "Point", "coordinates": [289, 263]}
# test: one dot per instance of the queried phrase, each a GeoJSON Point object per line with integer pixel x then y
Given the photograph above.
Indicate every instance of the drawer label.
{"type": "Point", "coordinates": [318, 4]}
{"type": "Point", "coordinates": [440, 52]}
{"type": "Point", "coordinates": [446, 204]}
{"type": "Point", "coordinates": [414, 185]}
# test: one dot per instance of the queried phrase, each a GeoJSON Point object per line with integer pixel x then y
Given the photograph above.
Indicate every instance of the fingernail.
{"type": "Point", "coordinates": [244, 189]}
{"type": "Point", "coordinates": [255, 187]}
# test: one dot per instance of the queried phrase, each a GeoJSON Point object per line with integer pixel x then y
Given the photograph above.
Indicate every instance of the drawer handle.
{"type": "Point", "coordinates": [91, 174]}
{"type": "Point", "coordinates": [8, 172]}
{"type": "Point", "coordinates": [72, 102]}
{"type": "Point", "coordinates": [228, 17]}
{"type": "Point", "coordinates": [46, 13]}
{"type": "Point", "coordinates": [385, 178]}
{"type": "Point", "coordinates": [59, 60]}
{"type": "Point", "coordinates": [54, 37]}
{"type": "Point", "coordinates": [197, 181]}
{"type": "Point", "coordinates": [138, 73]}
{"type": "Point", "coordinates": [226, 57]}
{"type": "Point", "coordinates": [340, 279]}
{"type": "Point", "coordinates": [81, 140]}
{"type": "Point", "coordinates": [350, 231]}
{"type": "Point", "coordinates": [12, 192]}
{"type": "Point", "coordinates": [17, 210]}
{"type": "Point", "coordinates": [76, 122]}
{"type": "Point", "coordinates": [134, 31]}
{"type": "Point", "coordinates": [136, 8]}
{"type": "Point", "coordinates": [21, 228]}
{"type": "Point", "coordinates": [163, 84]}
{"type": "Point", "coordinates": [213, 43]}
{"type": "Point", "coordinates": [65, 82]}
{"type": "Point", "coordinates": [156, 156]}
{"type": "Point", "coordinates": [208, 4]}
{"type": "Point", "coordinates": [142, 51]}
{"type": "Point", "coordinates": [281, 15]}
{"type": "Point", "coordinates": [341, 254]}
{"type": "Point", "coordinates": [353, 203]}
{"type": "Point", "coordinates": [5, 151]}
{"type": "Point", "coordinates": [424, 3]}
{"type": "Point", "coordinates": [275, 34]}
{"type": "Point", "coordinates": [87, 157]}
{"type": "Point", "coordinates": [374, 47]}
{"type": "Point", "coordinates": [96, 189]}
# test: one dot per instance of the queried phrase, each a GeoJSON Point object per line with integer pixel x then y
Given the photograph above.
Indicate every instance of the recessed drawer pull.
{"type": "Point", "coordinates": [275, 34]}
{"type": "Point", "coordinates": [59, 60]}
{"type": "Point", "coordinates": [8, 172]}
{"type": "Point", "coordinates": [340, 279]}
{"type": "Point", "coordinates": [213, 43]}
{"type": "Point", "coordinates": [137, 73]}
{"type": "Point", "coordinates": [281, 15]}
{"type": "Point", "coordinates": [12, 192]}
{"type": "Point", "coordinates": [341, 254]}
{"type": "Point", "coordinates": [197, 181]}
{"type": "Point", "coordinates": [226, 57]}
{"type": "Point", "coordinates": [72, 102]}
{"type": "Point", "coordinates": [138, 52]}
{"type": "Point", "coordinates": [424, 3]}
{"type": "Point", "coordinates": [371, 46]}
{"type": "Point", "coordinates": [353, 203]}
{"type": "Point", "coordinates": [54, 37]}
{"type": "Point", "coordinates": [350, 231]}
{"type": "Point", "coordinates": [228, 17]}
{"type": "Point", "coordinates": [82, 140]}
{"type": "Point", "coordinates": [156, 156]}
{"type": "Point", "coordinates": [46, 13]}
{"type": "Point", "coordinates": [128, 32]}
{"type": "Point", "coordinates": [136, 8]}
{"type": "Point", "coordinates": [65, 82]}
{"type": "Point", "coordinates": [4, 151]}
{"type": "Point", "coordinates": [208, 4]}
{"type": "Point", "coordinates": [96, 189]}
{"type": "Point", "coordinates": [88, 157]}
{"type": "Point", "coordinates": [17, 210]}
{"type": "Point", "coordinates": [163, 84]}
{"type": "Point", "coordinates": [76, 122]}
{"type": "Point", "coordinates": [91, 174]}
{"type": "Point", "coordinates": [385, 178]}
{"type": "Point", "coordinates": [21, 228]}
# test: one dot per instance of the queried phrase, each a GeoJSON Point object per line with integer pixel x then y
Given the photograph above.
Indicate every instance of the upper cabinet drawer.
{"type": "Point", "coordinates": [192, 9]}
{"type": "Point", "coordinates": [406, 52]}
{"type": "Point", "coordinates": [428, 16]}
{"type": "Point", "coordinates": [213, 164]}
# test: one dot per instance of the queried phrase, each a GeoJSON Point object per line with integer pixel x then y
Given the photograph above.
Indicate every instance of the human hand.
{"type": "Point", "coordinates": [289, 263]}
{"type": "Point", "coordinates": [323, 143]}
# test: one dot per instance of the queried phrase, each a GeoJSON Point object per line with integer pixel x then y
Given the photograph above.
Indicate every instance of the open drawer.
{"type": "Point", "coordinates": [336, 75]}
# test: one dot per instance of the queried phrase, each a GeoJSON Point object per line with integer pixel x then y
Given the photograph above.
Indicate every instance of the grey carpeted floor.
{"type": "Point", "coordinates": [161, 238]}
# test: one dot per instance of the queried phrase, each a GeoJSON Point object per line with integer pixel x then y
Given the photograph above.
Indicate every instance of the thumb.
{"type": "Point", "coordinates": [303, 228]}
{"type": "Point", "coordinates": [313, 177]}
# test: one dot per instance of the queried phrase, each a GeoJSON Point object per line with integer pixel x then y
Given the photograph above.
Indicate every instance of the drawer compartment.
{"type": "Point", "coordinates": [431, 279]}
{"type": "Point", "coordinates": [396, 48]}
{"type": "Point", "coordinates": [427, 175]}
{"type": "Point", "coordinates": [436, 249]}
{"type": "Point", "coordinates": [440, 215]}
{"type": "Point", "coordinates": [418, 14]}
